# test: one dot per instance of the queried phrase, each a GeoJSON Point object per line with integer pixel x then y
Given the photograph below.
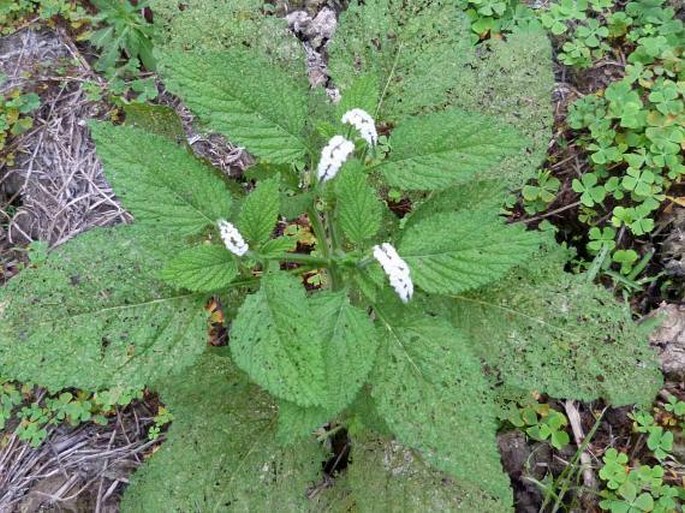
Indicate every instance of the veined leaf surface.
{"type": "Point", "coordinates": [430, 389]}
{"type": "Point", "coordinates": [457, 251]}
{"type": "Point", "coordinates": [276, 340]}
{"type": "Point", "coordinates": [246, 98]}
{"type": "Point", "coordinates": [221, 453]}
{"type": "Point", "coordinates": [203, 268]}
{"type": "Point", "coordinates": [548, 330]}
{"type": "Point", "coordinates": [260, 212]}
{"type": "Point", "coordinates": [445, 148]}
{"type": "Point", "coordinates": [160, 182]}
{"type": "Point", "coordinates": [357, 206]}
{"type": "Point", "coordinates": [96, 313]}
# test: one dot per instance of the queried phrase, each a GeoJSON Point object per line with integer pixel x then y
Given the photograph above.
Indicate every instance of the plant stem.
{"type": "Point", "coordinates": [300, 259]}
{"type": "Point", "coordinates": [336, 245]}
{"type": "Point", "coordinates": [323, 243]}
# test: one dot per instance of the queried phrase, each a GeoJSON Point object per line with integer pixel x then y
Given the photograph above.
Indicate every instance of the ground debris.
{"type": "Point", "coordinates": [55, 182]}
{"type": "Point", "coordinates": [669, 339]}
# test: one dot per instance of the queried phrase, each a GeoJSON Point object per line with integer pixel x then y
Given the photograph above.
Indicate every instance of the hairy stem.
{"type": "Point", "coordinates": [301, 259]}
{"type": "Point", "coordinates": [323, 243]}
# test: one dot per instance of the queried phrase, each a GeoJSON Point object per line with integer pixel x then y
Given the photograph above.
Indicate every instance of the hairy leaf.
{"type": "Point", "coordinates": [275, 339]}
{"type": "Point", "coordinates": [453, 252]}
{"type": "Point", "coordinates": [361, 94]}
{"type": "Point", "coordinates": [260, 212]}
{"type": "Point", "coordinates": [431, 391]}
{"type": "Point", "coordinates": [482, 195]}
{"type": "Point", "coordinates": [546, 330]}
{"type": "Point", "coordinates": [278, 246]}
{"type": "Point", "coordinates": [158, 181]}
{"type": "Point", "coordinates": [296, 422]}
{"type": "Point", "coordinates": [416, 48]}
{"type": "Point", "coordinates": [221, 453]}
{"type": "Point", "coordinates": [357, 206]}
{"type": "Point", "coordinates": [234, 24]}
{"type": "Point", "coordinates": [512, 81]}
{"type": "Point", "coordinates": [421, 52]}
{"type": "Point", "coordinates": [93, 316]}
{"type": "Point", "coordinates": [445, 148]}
{"type": "Point", "coordinates": [204, 268]}
{"type": "Point", "coordinates": [349, 346]}
{"type": "Point", "coordinates": [383, 472]}
{"type": "Point", "coordinates": [241, 95]}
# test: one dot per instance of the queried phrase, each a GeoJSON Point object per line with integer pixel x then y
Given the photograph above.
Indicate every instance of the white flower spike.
{"type": "Point", "coordinates": [333, 156]}
{"type": "Point", "coordinates": [232, 239]}
{"type": "Point", "coordinates": [362, 121]}
{"type": "Point", "coordinates": [396, 269]}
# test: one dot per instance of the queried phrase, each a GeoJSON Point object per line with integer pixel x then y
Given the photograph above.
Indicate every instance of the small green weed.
{"type": "Point", "coordinates": [15, 118]}
{"type": "Point", "coordinates": [638, 487]}
{"type": "Point", "coordinates": [542, 191]}
{"type": "Point", "coordinates": [16, 13]}
{"type": "Point", "coordinates": [543, 423]}
{"type": "Point", "coordinates": [33, 411]}
{"type": "Point", "coordinates": [635, 489]}
{"type": "Point", "coordinates": [162, 418]}
{"type": "Point", "coordinates": [124, 30]}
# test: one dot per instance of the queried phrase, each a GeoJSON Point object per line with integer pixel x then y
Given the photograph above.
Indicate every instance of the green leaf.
{"type": "Point", "coordinates": [483, 195]}
{"type": "Point", "coordinates": [644, 501]}
{"type": "Point", "coordinates": [294, 206]}
{"type": "Point", "coordinates": [221, 453]}
{"type": "Point", "coordinates": [243, 96]}
{"type": "Point", "coordinates": [204, 268]}
{"type": "Point", "coordinates": [235, 24]}
{"type": "Point", "coordinates": [416, 50]}
{"type": "Point", "coordinates": [453, 252]}
{"type": "Point", "coordinates": [361, 94]}
{"type": "Point", "coordinates": [423, 56]}
{"type": "Point", "coordinates": [296, 422]}
{"type": "Point", "coordinates": [385, 476]}
{"type": "Point", "coordinates": [93, 316]}
{"type": "Point", "coordinates": [445, 148]}
{"type": "Point", "coordinates": [357, 207]}
{"type": "Point", "coordinates": [547, 330]}
{"type": "Point", "coordinates": [275, 339]}
{"type": "Point", "coordinates": [157, 119]}
{"type": "Point", "coordinates": [349, 346]}
{"type": "Point", "coordinates": [158, 181]}
{"type": "Point", "coordinates": [278, 246]}
{"type": "Point", "coordinates": [260, 212]}
{"type": "Point", "coordinates": [431, 391]}
{"type": "Point", "coordinates": [511, 81]}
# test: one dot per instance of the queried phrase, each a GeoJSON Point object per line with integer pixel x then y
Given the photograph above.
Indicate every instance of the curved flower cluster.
{"type": "Point", "coordinates": [232, 238]}
{"type": "Point", "coordinates": [362, 121]}
{"type": "Point", "coordinates": [396, 269]}
{"type": "Point", "coordinates": [334, 154]}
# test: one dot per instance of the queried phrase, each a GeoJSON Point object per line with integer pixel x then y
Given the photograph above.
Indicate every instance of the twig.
{"type": "Point", "coordinates": [547, 214]}
{"type": "Point", "coordinates": [589, 479]}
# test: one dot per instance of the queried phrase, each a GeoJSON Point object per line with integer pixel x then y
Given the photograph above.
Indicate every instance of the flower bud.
{"type": "Point", "coordinates": [333, 156]}
{"type": "Point", "coordinates": [396, 269]}
{"type": "Point", "coordinates": [232, 238]}
{"type": "Point", "coordinates": [362, 121]}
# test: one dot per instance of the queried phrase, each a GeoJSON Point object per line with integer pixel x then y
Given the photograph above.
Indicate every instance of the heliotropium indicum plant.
{"type": "Point", "coordinates": [406, 327]}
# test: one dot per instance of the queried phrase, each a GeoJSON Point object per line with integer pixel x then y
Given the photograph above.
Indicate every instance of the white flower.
{"type": "Point", "coordinates": [396, 269]}
{"type": "Point", "coordinates": [362, 121]}
{"type": "Point", "coordinates": [232, 239]}
{"type": "Point", "coordinates": [333, 156]}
